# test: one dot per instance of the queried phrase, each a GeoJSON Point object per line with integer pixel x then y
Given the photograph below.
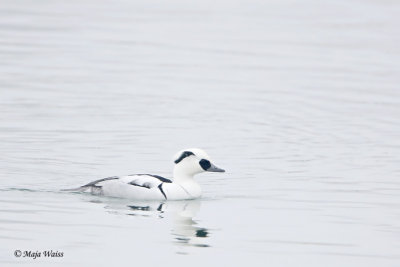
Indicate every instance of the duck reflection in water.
{"type": "Point", "coordinates": [185, 230]}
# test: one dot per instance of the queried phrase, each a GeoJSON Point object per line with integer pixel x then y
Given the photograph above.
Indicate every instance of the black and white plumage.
{"type": "Point", "coordinates": [153, 187]}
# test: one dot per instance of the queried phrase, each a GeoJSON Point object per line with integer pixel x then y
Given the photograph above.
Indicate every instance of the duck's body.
{"type": "Point", "coordinates": [154, 187]}
{"type": "Point", "coordinates": [144, 187]}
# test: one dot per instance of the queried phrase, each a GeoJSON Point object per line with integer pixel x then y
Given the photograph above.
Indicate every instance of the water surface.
{"type": "Point", "coordinates": [298, 100]}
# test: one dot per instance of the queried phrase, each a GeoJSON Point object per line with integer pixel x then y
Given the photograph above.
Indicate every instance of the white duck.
{"type": "Point", "coordinates": [188, 163]}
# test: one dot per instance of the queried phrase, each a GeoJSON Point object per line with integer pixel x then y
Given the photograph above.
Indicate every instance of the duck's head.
{"type": "Point", "coordinates": [192, 161]}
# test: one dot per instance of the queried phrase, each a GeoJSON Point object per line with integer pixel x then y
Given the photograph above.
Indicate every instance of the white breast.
{"type": "Point", "coordinates": [188, 190]}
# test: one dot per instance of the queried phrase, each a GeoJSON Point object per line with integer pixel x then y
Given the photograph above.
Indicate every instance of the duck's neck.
{"type": "Point", "coordinates": [182, 176]}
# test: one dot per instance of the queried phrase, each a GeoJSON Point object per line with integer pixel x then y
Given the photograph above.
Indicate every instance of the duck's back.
{"type": "Point", "coordinates": [135, 186]}
{"type": "Point", "coordinates": [143, 187]}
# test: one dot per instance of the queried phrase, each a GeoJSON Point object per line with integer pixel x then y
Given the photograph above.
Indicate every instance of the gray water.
{"type": "Point", "coordinates": [298, 100]}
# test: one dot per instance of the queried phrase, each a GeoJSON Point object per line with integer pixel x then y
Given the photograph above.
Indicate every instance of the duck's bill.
{"type": "Point", "coordinates": [214, 168]}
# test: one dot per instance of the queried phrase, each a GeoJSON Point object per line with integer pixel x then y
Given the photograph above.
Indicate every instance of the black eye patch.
{"type": "Point", "coordinates": [184, 154]}
{"type": "Point", "coordinates": [205, 164]}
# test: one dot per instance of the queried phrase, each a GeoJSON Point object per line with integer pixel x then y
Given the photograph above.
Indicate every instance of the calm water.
{"type": "Point", "coordinates": [298, 100]}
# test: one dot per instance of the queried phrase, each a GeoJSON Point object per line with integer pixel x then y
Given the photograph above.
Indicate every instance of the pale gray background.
{"type": "Point", "coordinates": [298, 100]}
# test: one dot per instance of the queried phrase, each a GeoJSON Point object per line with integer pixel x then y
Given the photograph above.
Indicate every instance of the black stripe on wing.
{"type": "Point", "coordinates": [162, 179]}
{"type": "Point", "coordinates": [94, 183]}
{"type": "Point", "coordinates": [145, 185]}
{"type": "Point", "coordinates": [162, 191]}
{"type": "Point", "coordinates": [150, 184]}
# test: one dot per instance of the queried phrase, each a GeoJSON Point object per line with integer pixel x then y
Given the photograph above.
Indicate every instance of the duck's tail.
{"type": "Point", "coordinates": [77, 189]}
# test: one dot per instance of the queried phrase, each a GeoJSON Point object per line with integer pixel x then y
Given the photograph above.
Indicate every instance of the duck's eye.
{"type": "Point", "coordinates": [205, 164]}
